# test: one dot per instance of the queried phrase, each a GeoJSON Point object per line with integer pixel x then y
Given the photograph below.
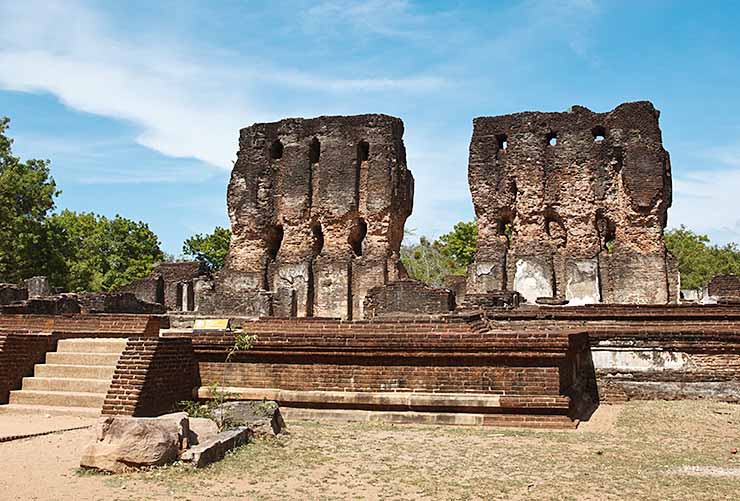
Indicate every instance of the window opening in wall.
{"type": "Point", "coordinates": [273, 239]}
{"type": "Point", "coordinates": [357, 236]}
{"type": "Point", "coordinates": [555, 228]}
{"type": "Point", "coordinates": [552, 138]}
{"type": "Point", "coordinates": [607, 231]}
{"type": "Point", "coordinates": [363, 151]}
{"type": "Point", "coordinates": [276, 150]}
{"type": "Point", "coordinates": [506, 228]}
{"type": "Point", "coordinates": [318, 239]}
{"type": "Point", "coordinates": [599, 134]}
{"type": "Point", "coordinates": [503, 142]}
{"type": "Point", "coordinates": [314, 151]}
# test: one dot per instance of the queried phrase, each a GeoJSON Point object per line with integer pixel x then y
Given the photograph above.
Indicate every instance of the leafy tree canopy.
{"type": "Point", "coordinates": [77, 251]}
{"type": "Point", "coordinates": [698, 260]}
{"type": "Point", "coordinates": [461, 243]}
{"type": "Point", "coordinates": [27, 193]}
{"type": "Point", "coordinates": [102, 253]}
{"type": "Point", "coordinates": [210, 249]}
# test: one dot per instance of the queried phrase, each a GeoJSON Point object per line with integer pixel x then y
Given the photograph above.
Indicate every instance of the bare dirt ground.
{"type": "Point", "coordinates": [643, 450]}
{"type": "Point", "coordinates": [12, 425]}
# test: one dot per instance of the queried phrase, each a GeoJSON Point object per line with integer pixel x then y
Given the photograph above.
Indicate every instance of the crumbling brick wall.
{"type": "Point", "coordinates": [408, 298]}
{"type": "Point", "coordinates": [152, 375]}
{"type": "Point", "coordinates": [317, 207]}
{"type": "Point", "coordinates": [572, 205]}
{"type": "Point", "coordinates": [725, 287]}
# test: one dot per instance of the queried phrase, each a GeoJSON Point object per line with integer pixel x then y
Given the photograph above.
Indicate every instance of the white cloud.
{"type": "Point", "coordinates": [184, 107]}
{"type": "Point", "coordinates": [706, 201]}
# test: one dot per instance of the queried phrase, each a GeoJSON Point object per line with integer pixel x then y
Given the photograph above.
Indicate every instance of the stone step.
{"type": "Point", "coordinates": [105, 345]}
{"type": "Point", "coordinates": [58, 398]}
{"type": "Point", "coordinates": [105, 359]}
{"type": "Point", "coordinates": [74, 371]}
{"type": "Point", "coordinates": [66, 384]}
{"type": "Point", "coordinates": [50, 410]}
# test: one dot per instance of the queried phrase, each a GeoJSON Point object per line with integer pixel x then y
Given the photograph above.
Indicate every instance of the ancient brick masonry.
{"type": "Point", "coordinates": [572, 205]}
{"type": "Point", "coordinates": [317, 210]}
{"type": "Point", "coordinates": [533, 376]}
{"type": "Point", "coordinates": [18, 355]}
{"type": "Point", "coordinates": [152, 375]}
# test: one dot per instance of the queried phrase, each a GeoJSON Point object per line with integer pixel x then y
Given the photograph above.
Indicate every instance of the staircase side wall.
{"type": "Point", "coordinates": [18, 355]}
{"type": "Point", "coordinates": [152, 375]}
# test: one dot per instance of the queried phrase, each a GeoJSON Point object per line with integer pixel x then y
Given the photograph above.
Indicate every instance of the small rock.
{"type": "Point", "coordinates": [263, 417]}
{"type": "Point", "coordinates": [201, 430]}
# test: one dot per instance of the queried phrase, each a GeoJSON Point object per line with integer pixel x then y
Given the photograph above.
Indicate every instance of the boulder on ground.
{"type": "Point", "coordinates": [201, 430]}
{"type": "Point", "coordinates": [263, 417]}
{"type": "Point", "coordinates": [127, 442]}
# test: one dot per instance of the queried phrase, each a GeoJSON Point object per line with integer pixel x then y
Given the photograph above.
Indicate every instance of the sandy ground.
{"type": "Point", "coordinates": [14, 425]}
{"type": "Point", "coordinates": [656, 450]}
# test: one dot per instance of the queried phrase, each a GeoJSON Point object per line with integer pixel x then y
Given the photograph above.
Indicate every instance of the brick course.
{"type": "Point", "coordinates": [18, 355]}
{"type": "Point", "coordinates": [152, 375]}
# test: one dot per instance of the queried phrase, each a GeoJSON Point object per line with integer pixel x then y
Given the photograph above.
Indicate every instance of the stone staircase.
{"type": "Point", "coordinates": [73, 382]}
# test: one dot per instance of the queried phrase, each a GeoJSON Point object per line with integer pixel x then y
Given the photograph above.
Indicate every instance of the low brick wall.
{"type": "Point", "coordinates": [83, 325]}
{"type": "Point", "coordinates": [18, 355]}
{"type": "Point", "coordinates": [152, 375]}
{"type": "Point", "coordinates": [649, 352]}
{"type": "Point", "coordinates": [406, 298]}
{"type": "Point", "coordinates": [447, 356]}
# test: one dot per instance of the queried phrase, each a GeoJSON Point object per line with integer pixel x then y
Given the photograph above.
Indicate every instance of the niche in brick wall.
{"type": "Point", "coordinates": [357, 236]}
{"type": "Point", "coordinates": [273, 240]}
{"type": "Point", "coordinates": [314, 151]}
{"type": "Point", "coordinates": [276, 150]}
{"type": "Point", "coordinates": [555, 228]}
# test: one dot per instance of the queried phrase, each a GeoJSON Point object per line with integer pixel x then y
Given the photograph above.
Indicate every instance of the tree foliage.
{"type": "Point", "coordinates": [27, 193]}
{"type": "Point", "coordinates": [461, 243]}
{"type": "Point", "coordinates": [210, 249]}
{"type": "Point", "coordinates": [102, 253]}
{"type": "Point", "coordinates": [76, 251]}
{"type": "Point", "coordinates": [698, 260]}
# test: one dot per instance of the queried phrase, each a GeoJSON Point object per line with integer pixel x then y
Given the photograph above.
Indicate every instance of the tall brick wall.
{"type": "Point", "coordinates": [18, 355]}
{"type": "Point", "coordinates": [152, 375]}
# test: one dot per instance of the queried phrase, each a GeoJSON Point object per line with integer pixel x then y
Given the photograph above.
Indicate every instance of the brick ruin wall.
{"type": "Point", "coordinates": [317, 211]}
{"type": "Point", "coordinates": [572, 205]}
{"type": "Point", "coordinates": [19, 353]}
{"type": "Point", "coordinates": [151, 377]}
{"type": "Point", "coordinates": [725, 288]}
{"type": "Point", "coordinates": [647, 352]}
{"type": "Point", "coordinates": [532, 373]}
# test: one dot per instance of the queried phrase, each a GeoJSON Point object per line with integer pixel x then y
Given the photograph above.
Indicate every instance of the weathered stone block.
{"type": "Point", "coordinates": [582, 282]}
{"type": "Point", "coordinates": [533, 279]}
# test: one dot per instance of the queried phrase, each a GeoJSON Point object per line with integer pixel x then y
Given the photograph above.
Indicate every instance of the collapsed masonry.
{"type": "Point", "coordinates": [572, 206]}
{"type": "Point", "coordinates": [317, 211]}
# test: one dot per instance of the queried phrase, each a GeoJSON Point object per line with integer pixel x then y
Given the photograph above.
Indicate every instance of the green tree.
{"type": "Point", "coordinates": [698, 260]}
{"type": "Point", "coordinates": [461, 243]}
{"type": "Point", "coordinates": [210, 249]}
{"type": "Point", "coordinates": [27, 192]}
{"type": "Point", "coordinates": [102, 253]}
{"type": "Point", "coordinates": [427, 262]}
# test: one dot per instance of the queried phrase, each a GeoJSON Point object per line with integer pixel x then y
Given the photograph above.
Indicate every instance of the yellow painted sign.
{"type": "Point", "coordinates": [211, 324]}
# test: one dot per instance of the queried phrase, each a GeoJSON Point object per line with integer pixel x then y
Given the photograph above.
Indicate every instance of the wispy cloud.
{"type": "Point", "coordinates": [706, 200]}
{"type": "Point", "coordinates": [184, 107]}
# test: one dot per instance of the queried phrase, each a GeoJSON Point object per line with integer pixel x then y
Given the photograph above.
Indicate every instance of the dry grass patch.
{"type": "Point", "coordinates": [653, 450]}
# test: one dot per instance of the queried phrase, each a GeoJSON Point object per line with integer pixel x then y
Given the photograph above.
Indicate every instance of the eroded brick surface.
{"type": "Point", "coordinates": [572, 205]}
{"type": "Point", "coordinates": [316, 206]}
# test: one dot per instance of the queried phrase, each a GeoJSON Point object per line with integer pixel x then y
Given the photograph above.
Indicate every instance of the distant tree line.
{"type": "Point", "coordinates": [86, 251]}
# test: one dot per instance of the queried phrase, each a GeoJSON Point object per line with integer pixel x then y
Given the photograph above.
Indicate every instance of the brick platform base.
{"type": "Point", "coordinates": [448, 366]}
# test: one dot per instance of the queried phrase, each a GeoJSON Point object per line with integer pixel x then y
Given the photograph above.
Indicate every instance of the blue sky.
{"type": "Point", "coordinates": [138, 104]}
